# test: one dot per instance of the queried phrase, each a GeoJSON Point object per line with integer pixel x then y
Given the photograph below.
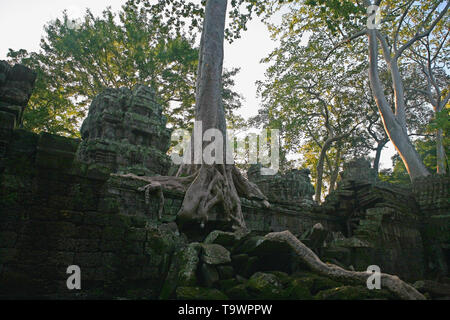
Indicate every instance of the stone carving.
{"type": "Point", "coordinates": [16, 86]}
{"type": "Point", "coordinates": [358, 170]}
{"type": "Point", "coordinates": [293, 187]}
{"type": "Point", "coordinates": [126, 132]}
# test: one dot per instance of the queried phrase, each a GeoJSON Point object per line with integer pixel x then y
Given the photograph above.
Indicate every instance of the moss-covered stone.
{"type": "Point", "coordinates": [298, 290]}
{"type": "Point", "coordinates": [225, 272]}
{"type": "Point", "coordinates": [189, 260]}
{"type": "Point", "coordinates": [197, 293]}
{"type": "Point", "coordinates": [225, 239]}
{"type": "Point", "coordinates": [215, 254]}
{"type": "Point", "coordinates": [266, 286]}
{"type": "Point", "coordinates": [353, 293]}
{"type": "Point", "coordinates": [225, 285]}
{"type": "Point", "coordinates": [113, 233]}
{"type": "Point", "coordinates": [238, 292]}
{"type": "Point", "coordinates": [208, 275]}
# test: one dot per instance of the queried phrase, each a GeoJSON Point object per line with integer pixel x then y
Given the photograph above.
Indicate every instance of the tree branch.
{"type": "Point", "coordinates": [400, 23]}
{"type": "Point", "coordinates": [347, 40]}
{"type": "Point", "coordinates": [425, 33]}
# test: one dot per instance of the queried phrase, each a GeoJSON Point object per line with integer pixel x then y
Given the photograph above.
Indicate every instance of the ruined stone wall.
{"type": "Point", "coordinates": [125, 131]}
{"type": "Point", "coordinates": [56, 211]}
{"type": "Point", "coordinates": [382, 224]}
{"type": "Point", "coordinates": [292, 188]}
{"type": "Point", "coordinates": [60, 205]}
{"type": "Point", "coordinates": [16, 86]}
{"type": "Point", "coordinates": [257, 217]}
{"type": "Point", "coordinates": [433, 197]}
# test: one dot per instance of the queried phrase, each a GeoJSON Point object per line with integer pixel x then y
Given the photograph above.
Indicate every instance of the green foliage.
{"type": "Point", "coordinates": [50, 108]}
{"type": "Point", "coordinates": [442, 121]}
{"type": "Point", "coordinates": [79, 59]}
{"type": "Point", "coordinates": [427, 151]}
{"type": "Point", "coordinates": [338, 20]}
{"type": "Point", "coordinates": [187, 14]}
{"type": "Point", "coordinates": [312, 98]}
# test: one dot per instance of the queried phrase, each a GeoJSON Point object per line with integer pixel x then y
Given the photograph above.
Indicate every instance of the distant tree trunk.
{"type": "Point", "coordinates": [440, 153]}
{"type": "Point", "coordinates": [319, 167]}
{"type": "Point", "coordinates": [379, 150]}
{"type": "Point", "coordinates": [335, 172]}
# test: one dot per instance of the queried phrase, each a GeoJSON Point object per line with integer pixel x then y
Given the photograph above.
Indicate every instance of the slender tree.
{"type": "Point", "coordinates": [419, 27]}
{"type": "Point", "coordinates": [428, 17]}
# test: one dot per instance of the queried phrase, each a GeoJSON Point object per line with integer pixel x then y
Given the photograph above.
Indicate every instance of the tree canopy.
{"type": "Point", "coordinates": [347, 76]}
{"type": "Point", "coordinates": [79, 59]}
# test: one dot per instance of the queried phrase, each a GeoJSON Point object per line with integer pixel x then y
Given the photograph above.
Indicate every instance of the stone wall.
{"type": "Point", "coordinates": [125, 131]}
{"type": "Point", "coordinates": [257, 216]}
{"type": "Point", "coordinates": [62, 203]}
{"type": "Point", "coordinates": [433, 197]}
{"type": "Point", "coordinates": [292, 188]}
{"type": "Point", "coordinates": [381, 224]}
{"type": "Point", "coordinates": [56, 211]}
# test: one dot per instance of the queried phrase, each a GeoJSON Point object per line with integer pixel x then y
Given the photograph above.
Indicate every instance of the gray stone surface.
{"type": "Point", "coordinates": [215, 254]}
{"type": "Point", "coordinates": [293, 187]}
{"type": "Point", "coordinates": [126, 132]}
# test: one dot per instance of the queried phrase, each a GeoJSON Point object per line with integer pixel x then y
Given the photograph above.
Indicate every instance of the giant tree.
{"type": "Point", "coordinates": [217, 184]}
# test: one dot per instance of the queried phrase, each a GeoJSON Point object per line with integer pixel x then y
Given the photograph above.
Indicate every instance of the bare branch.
{"type": "Point", "coordinates": [425, 33]}
{"type": "Point", "coordinates": [441, 45]}
{"type": "Point", "coordinates": [400, 23]}
{"type": "Point", "coordinates": [444, 101]}
{"type": "Point", "coordinates": [346, 40]}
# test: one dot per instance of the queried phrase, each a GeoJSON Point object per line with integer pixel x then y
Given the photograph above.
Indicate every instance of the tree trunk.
{"type": "Point", "coordinates": [335, 173]}
{"type": "Point", "coordinates": [310, 259]}
{"type": "Point", "coordinates": [376, 162]}
{"type": "Point", "coordinates": [208, 105]}
{"type": "Point", "coordinates": [395, 127]}
{"type": "Point", "coordinates": [440, 153]}
{"type": "Point", "coordinates": [210, 185]}
{"type": "Point", "coordinates": [319, 167]}
{"type": "Point", "coordinates": [319, 170]}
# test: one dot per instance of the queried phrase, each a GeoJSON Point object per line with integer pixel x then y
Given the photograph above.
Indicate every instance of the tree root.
{"type": "Point", "coordinates": [213, 186]}
{"type": "Point", "coordinates": [154, 186]}
{"type": "Point", "coordinates": [160, 183]}
{"type": "Point", "coordinates": [392, 283]}
{"type": "Point", "coordinates": [205, 187]}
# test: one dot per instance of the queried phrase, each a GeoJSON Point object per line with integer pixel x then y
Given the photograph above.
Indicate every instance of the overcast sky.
{"type": "Point", "coordinates": [22, 24]}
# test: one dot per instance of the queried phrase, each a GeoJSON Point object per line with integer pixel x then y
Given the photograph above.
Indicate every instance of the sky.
{"type": "Point", "coordinates": [22, 24]}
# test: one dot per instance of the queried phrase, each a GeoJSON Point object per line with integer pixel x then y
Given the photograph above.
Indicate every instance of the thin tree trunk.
{"type": "Point", "coordinates": [376, 162]}
{"type": "Point", "coordinates": [440, 153]}
{"type": "Point", "coordinates": [395, 127]}
{"type": "Point", "coordinates": [319, 167]}
{"type": "Point", "coordinates": [335, 173]}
